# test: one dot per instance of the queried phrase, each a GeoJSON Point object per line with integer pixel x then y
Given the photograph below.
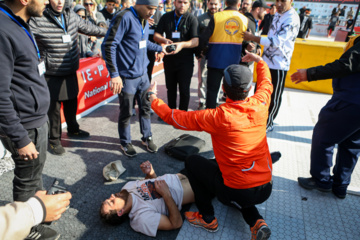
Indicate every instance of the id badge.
{"type": "Point", "coordinates": [175, 35]}
{"type": "Point", "coordinates": [66, 38]}
{"type": "Point", "coordinates": [142, 44]}
{"type": "Point", "coordinates": [41, 68]}
{"type": "Point", "coordinates": [151, 31]}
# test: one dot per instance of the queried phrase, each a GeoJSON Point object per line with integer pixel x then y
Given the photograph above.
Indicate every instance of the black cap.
{"type": "Point", "coordinates": [260, 3]}
{"type": "Point", "coordinates": [238, 76]}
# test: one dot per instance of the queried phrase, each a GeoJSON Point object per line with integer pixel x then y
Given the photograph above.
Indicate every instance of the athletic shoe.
{"type": "Point", "coordinates": [57, 149]}
{"type": "Point", "coordinates": [269, 129]}
{"type": "Point", "coordinates": [339, 195]}
{"type": "Point", "coordinates": [78, 134]}
{"type": "Point", "coordinates": [260, 231]}
{"type": "Point", "coordinates": [128, 150]}
{"type": "Point", "coordinates": [195, 219]}
{"type": "Point", "coordinates": [310, 184]}
{"type": "Point", "coordinates": [201, 106]}
{"type": "Point", "coordinates": [40, 232]}
{"type": "Point", "coordinates": [275, 156]}
{"type": "Point", "coordinates": [150, 145]}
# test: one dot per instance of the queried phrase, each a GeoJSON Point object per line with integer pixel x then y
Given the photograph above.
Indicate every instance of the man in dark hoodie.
{"type": "Point", "coordinates": [61, 54]}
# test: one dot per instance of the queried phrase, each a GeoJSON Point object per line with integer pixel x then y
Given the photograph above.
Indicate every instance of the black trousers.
{"type": "Point", "coordinates": [278, 81]}
{"type": "Point", "coordinates": [178, 74]}
{"type": "Point", "coordinates": [213, 82]}
{"type": "Point", "coordinates": [151, 56]}
{"type": "Point", "coordinates": [28, 174]}
{"type": "Point", "coordinates": [207, 182]}
{"type": "Point", "coordinates": [70, 109]}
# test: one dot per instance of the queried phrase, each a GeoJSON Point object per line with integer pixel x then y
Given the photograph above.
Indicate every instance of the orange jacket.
{"type": "Point", "coordinates": [238, 133]}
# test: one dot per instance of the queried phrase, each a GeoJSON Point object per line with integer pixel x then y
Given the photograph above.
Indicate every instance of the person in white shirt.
{"type": "Point", "coordinates": [278, 50]}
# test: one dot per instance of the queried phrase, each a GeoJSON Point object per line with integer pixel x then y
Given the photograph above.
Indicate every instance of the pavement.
{"type": "Point", "coordinates": [291, 212]}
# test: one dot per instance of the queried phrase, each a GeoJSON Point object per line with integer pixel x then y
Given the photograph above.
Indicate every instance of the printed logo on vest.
{"type": "Point", "coordinates": [232, 26]}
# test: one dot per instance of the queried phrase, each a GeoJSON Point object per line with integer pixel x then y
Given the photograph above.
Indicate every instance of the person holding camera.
{"type": "Point", "coordinates": [181, 28]}
{"type": "Point", "coordinates": [124, 50]}
{"type": "Point", "coordinates": [17, 219]}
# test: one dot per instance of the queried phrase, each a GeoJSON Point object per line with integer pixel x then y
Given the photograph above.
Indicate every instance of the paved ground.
{"type": "Point", "coordinates": [291, 212]}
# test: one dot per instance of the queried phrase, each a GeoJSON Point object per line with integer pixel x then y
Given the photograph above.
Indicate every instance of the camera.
{"type": "Point", "coordinates": [56, 188]}
{"type": "Point", "coordinates": [170, 48]}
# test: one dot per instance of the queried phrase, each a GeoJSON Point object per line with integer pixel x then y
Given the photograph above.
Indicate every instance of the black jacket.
{"type": "Point", "coordinates": [61, 59]}
{"type": "Point", "coordinates": [24, 95]}
{"type": "Point", "coordinates": [253, 30]}
{"type": "Point", "coordinates": [266, 23]}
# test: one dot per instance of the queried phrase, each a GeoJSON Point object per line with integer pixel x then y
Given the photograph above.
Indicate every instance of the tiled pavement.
{"type": "Point", "coordinates": [291, 212]}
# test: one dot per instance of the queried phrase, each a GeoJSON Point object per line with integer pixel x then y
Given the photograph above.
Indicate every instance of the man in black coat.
{"type": "Point", "coordinates": [56, 34]}
{"type": "Point", "coordinates": [266, 23]}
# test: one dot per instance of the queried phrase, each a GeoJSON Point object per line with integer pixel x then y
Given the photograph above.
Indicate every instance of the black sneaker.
{"type": "Point", "coordinates": [150, 145]}
{"type": "Point", "coordinates": [275, 156]}
{"type": "Point", "coordinates": [338, 195]}
{"type": "Point", "coordinates": [57, 149]}
{"type": "Point", "coordinates": [79, 134]}
{"type": "Point", "coordinates": [128, 150]}
{"type": "Point", "coordinates": [40, 232]}
{"type": "Point", "coordinates": [310, 184]}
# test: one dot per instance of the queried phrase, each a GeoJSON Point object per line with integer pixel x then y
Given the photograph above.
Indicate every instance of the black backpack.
{"type": "Point", "coordinates": [184, 146]}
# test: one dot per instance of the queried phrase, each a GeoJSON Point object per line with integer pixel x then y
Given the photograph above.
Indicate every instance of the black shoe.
{"type": "Point", "coordinates": [128, 150]}
{"type": "Point", "coordinates": [309, 183]}
{"type": "Point", "coordinates": [275, 156]}
{"type": "Point", "coordinates": [201, 106]}
{"type": "Point", "coordinates": [150, 145]}
{"type": "Point", "coordinates": [79, 134]}
{"type": "Point", "coordinates": [341, 196]}
{"type": "Point", "coordinates": [57, 149]}
{"type": "Point", "coordinates": [40, 232]}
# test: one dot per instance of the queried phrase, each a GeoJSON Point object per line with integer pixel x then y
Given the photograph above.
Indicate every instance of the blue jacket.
{"type": "Point", "coordinates": [120, 47]}
{"type": "Point", "coordinates": [345, 73]}
{"type": "Point", "coordinates": [24, 95]}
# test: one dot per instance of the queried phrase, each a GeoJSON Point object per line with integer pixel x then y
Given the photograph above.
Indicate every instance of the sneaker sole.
{"type": "Point", "coordinates": [147, 147]}
{"type": "Point", "coordinates": [126, 154]}
{"type": "Point", "coordinates": [263, 234]}
{"type": "Point", "coordinates": [207, 229]}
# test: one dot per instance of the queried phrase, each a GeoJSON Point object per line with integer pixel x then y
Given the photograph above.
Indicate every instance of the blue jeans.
{"type": "Point", "coordinates": [28, 174]}
{"type": "Point", "coordinates": [339, 123]}
{"type": "Point", "coordinates": [136, 87]}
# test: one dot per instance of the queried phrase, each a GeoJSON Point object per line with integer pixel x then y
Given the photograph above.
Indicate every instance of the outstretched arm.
{"type": "Point", "coordinates": [147, 169]}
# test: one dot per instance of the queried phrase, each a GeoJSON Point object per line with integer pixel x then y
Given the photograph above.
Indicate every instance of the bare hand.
{"type": "Point", "coordinates": [55, 204]}
{"type": "Point", "coordinates": [250, 47]}
{"type": "Point", "coordinates": [151, 21]}
{"type": "Point", "coordinates": [28, 152]}
{"type": "Point", "coordinates": [116, 85]}
{"type": "Point", "coordinates": [162, 188]}
{"type": "Point", "coordinates": [299, 76]}
{"type": "Point", "coordinates": [146, 168]}
{"type": "Point", "coordinates": [250, 57]}
{"type": "Point", "coordinates": [159, 56]}
{"type": "Point", "coordinates": [247, 36]}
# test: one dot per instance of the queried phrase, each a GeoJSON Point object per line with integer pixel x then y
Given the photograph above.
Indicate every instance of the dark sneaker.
{"type": "Point", "coordinates": [150, 145]}
{"type": "Point", "coordinates": [195, 219]}
{"type": "Point", "coordinates": [260, 231]}
{"type": "Point", "coordinates": [201, 106]}
{"type": "Point", "coordinates": [79, 134]}
{"type": "Point", "coordinates": [338, 195]}
{"type": "Point", "coordinates": [128, 150]}
{"type": "Point", "coordinates": [275, 156]}
{"type": "Point", "coordinates": [40, 232]}
{"type": "Point", "coordinates": [57, 149]}
{"type": "Point", "coordinates": [310, 184]}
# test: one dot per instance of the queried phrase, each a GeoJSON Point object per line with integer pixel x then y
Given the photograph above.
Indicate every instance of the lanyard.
{"type": "Point", "coordinates": [27, 32]}
{"type": "Point", "coordinates": [177, 22]}
{"type": "Point", "coordinates": [142, 30]}
{"type": "Point", "coordinates": [63, 22]}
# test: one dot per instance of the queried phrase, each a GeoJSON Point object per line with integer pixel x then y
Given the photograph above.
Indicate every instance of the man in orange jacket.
{"type": "Point", "coordinates": [241, 176]}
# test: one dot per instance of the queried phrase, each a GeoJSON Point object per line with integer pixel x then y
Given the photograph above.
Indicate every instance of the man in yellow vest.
{"type": "Point", "coordinates": [224, 38]}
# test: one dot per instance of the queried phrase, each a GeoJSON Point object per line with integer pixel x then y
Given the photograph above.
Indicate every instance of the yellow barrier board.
{"type": "Point", "coordinates": [312, 53]}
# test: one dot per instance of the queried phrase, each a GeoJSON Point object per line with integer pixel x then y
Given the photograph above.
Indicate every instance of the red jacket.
{"type": "Point", "coordinates": [238, 133]}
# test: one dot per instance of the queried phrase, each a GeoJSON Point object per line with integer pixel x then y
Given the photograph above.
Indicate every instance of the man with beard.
{"type": "Point", "coordinates": [266, 23]}
{"type": "Point", "coordinates": [257, 13]}
{"type": "Point", "coordinates": [224, 37]}
{"type": "Point", "coordinates": [108, 11]}
{"type": "Point", "coordinates": [278, 49]}
{"type": "Point", "coordinates": [24, 99]}
{"type": "Point", "coordinates": [305, 24]}
{"type": "Point", "coordinates": [213, 7]}
{"type": "Point", "coordinates": [245, 6]}
{"type": "Point", "coordinates": [181, 28]}
{"type": "Point", "coordinates": [124, 49]}
{"type": "Point", "coordinates": [56, 33]}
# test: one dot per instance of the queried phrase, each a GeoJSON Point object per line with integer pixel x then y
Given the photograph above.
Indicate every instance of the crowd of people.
{"type": "Point", "coordinates": [40, 47]}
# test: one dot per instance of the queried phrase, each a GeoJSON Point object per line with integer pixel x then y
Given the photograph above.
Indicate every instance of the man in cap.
{"type": "Point", "coordinates": [266, 23]}
{"type": "Point", "coordinates": [125, 52]}
{"type": "Point", "coordinates": [241, 175]}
